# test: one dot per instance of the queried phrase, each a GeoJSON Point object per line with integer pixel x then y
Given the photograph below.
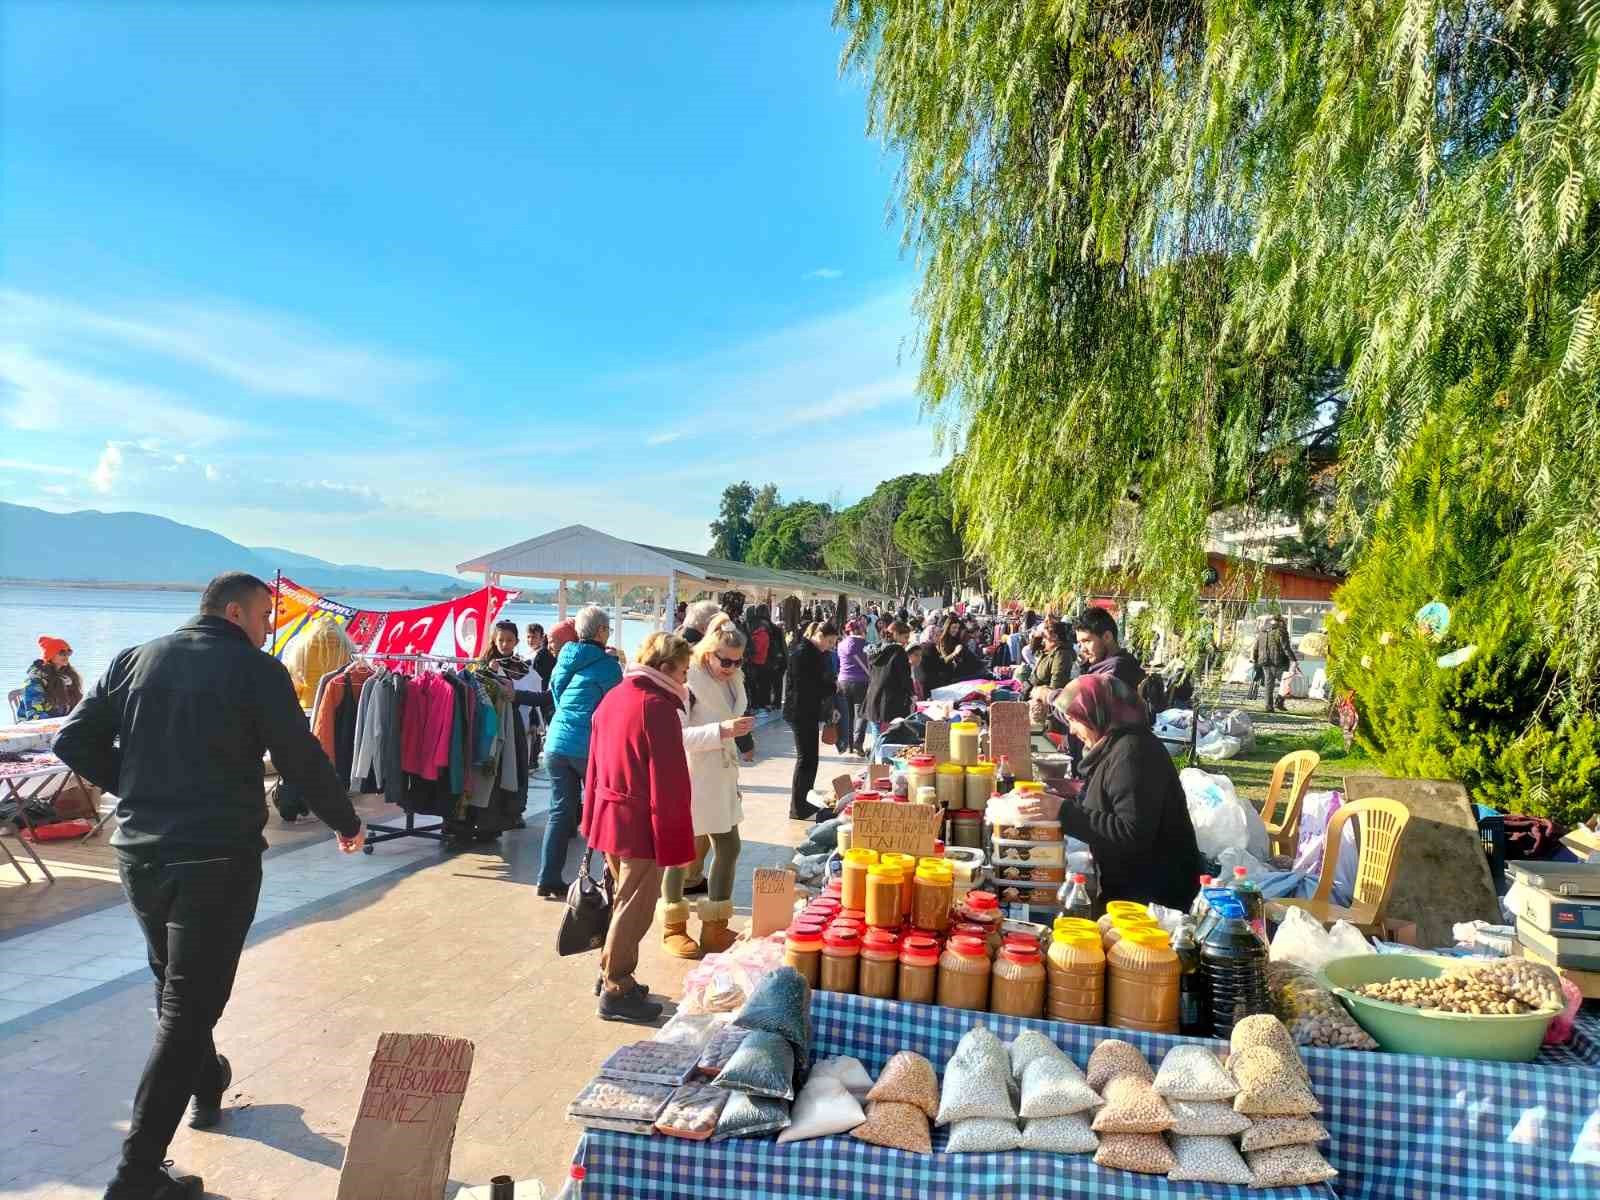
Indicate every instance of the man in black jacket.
{"type": "Point", "coordinates": [806, 705]}
{"type": "Point", "coordinates": [890, 693]}
{"type": "Point", "coordinates": [176, 729]}
{"type": "Point", "coordinates": [1099, 653]}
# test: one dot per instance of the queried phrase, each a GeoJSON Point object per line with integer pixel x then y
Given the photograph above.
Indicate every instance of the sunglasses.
{"type": "Point", "coordinates": [728, 663]}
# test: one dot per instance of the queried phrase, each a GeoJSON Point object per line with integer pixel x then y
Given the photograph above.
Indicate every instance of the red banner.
{"type": "Point", "coordinates": [451, 628]}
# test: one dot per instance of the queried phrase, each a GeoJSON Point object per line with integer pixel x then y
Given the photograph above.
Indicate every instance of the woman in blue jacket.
{"type": "Point", "coordinates": [586, 671]}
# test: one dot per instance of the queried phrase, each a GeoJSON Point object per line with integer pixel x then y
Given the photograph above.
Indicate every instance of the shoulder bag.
{"type": "Point", "coordinates": [588, 915]}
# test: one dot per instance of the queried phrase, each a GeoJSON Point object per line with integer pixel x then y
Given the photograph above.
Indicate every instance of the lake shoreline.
{"type": "Point", "coordinates": [109, 585]}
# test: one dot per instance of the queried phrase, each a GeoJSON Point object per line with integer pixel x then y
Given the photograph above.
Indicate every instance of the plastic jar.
{"type": "Point", "coordinates": [983, 908]}
{"type": "Point", "coordinates": [964, 742]}
{"type": "Point", "coordinates": [850, 918]}
{"type": "Point", "coordinates": [802, 949]}
{"type": "Point", "coordinates": [964, 974]}
{"type": "Point", "coordinates": [919, 771]}
{"type": "Point", "coordinates": [919, 969]}
{"type": "Point", "coordinates": [1122, 926]}
{"type": "Point", "coordinates": [1142, 983]}
{"type": "Point", "coordinates": [885, 886]}
{"type": "Point", "coordinates": [928, 795]}
{"type": "Point", "coordinates": [1076, 974]}
{"type": "Point", "coordinates": [841, 960]}
{"type": "Point", "coordinates": [880, 965]}
{"type": "Point", "coordinates": [1017, 981]}
{"type": "Point", "coordinates": [931, 897]}
{"type": "Point", "coordinates": [980, 785]}
{"type": "Point", "coordinates": [856, 862]}
{"type": "Point", "coordinates": [824, 908]}
{"type": "Point", "coordinates": [906, 864]}
{"type": "Point", "coordinates": [966, 829]}
{"type": "Point", "coordinates": [951, 784]}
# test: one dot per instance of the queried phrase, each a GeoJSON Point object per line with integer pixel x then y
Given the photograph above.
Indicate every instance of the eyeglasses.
{"type": "Point", "coordinates": [728, 663]}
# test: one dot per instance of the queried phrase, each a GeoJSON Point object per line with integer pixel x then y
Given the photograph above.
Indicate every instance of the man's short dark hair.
{"type": "Point", "coordinates": [235, 587]}
{"type": "Point", "coordinates": [1096, 621]}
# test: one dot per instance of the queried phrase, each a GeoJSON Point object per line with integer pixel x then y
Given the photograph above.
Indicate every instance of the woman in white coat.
{"type": "Point", "coordinates": [713, 719]}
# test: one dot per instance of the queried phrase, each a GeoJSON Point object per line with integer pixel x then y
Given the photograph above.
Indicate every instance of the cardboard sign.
{"type": "Point", "coordinates": [771, 900]}
{"type": "Point", "coordinates": [843, 785]}
{"type": "Point", "coordinates": [884, 825]}
{"type": "Point", "coordinates": [400, 1144]}
{"type": "Point", "coordinates": [1011, 737]}
{"type": "Point", "coordinates": [878, 772]}
{"type": "Point", "coordinates": [936, 741]}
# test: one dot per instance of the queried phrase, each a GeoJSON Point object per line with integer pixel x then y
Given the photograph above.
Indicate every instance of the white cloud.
{"type": "Point", "coordinates": [824, 273]}
{"type": "Point", "coordinates": [663, 439]}
{"type": "Point", "coordinates": [856, 401]}
{"type": "Point", "coordinates": [266, 353]}
{"type": "Point", "coordinates": [104, 475]}
{"type": "Point", "coordinates": [34, 468]}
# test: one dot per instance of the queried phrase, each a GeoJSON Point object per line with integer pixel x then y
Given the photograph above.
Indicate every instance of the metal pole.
{"type": "Point", "coordinates": [277, 586]}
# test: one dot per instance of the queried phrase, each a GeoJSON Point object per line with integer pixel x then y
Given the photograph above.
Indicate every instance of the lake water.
{"type": "Point", "coordinates": [99, 623]}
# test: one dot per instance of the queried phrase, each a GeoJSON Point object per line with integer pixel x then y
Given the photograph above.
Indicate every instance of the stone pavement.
{"type": "Point", "coordinates": [407, 940]}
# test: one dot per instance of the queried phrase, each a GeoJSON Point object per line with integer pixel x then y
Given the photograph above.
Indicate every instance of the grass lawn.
{"type": "Point", "coordinates": [1252, 772]}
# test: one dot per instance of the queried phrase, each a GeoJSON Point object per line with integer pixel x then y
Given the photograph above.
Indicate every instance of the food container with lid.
{"type": "Point", "coordinates": [1022, 850]}
{"type": "Point", "coordinates": [885, 885]}
{"type": "Point", "coordinates": [964, 974]}
{"type": "Point", "coordinates": [950, 781]}
{"type": "Point", "coordinates": [980, 785]}
{"type": "Point", "coordinates": [966, 863]}
{"type": "Point", "coordinates": [964, 742]}
{"type": "Point", "coordinates": [966, 828]}
{"type": "Point", "coordinates": [879, 976]}
{"type": "Point", "coordinates": [1142, 982]}
{"type": "Point", "coordinates": [919, 772]}
{"type": "Point", "coordinates": [907, 866]}
{"type": "Point", "coordinates": [1076, 972]}
{"type": "Point", "coordinates": [919, 969]}
{"type": "Point", "coordinates": [802, 950]}
{"type": "Point", "coordinates": [1017, 980]}
{"type": "Point", "coordinates": [933, 892]}
{"type": "Point", "coordinates": [853, 893]}
{"type": "Point", "coordinates": [1028, 831]}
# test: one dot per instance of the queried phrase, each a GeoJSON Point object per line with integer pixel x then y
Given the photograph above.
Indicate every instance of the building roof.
{"type": "Point", "coordinates": [581, 552]}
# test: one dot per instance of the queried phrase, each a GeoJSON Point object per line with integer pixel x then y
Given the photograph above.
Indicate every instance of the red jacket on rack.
{"type": "Point", "coordinates": [638, 781]}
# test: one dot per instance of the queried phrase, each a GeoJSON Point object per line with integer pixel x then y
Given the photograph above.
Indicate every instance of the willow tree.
{"type": "Point", "coordinates": [1172, 251]}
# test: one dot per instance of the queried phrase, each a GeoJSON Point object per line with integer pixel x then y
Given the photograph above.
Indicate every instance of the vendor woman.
{"type": "Point", "coordinates": [52, 688]}
{"type": "Point", "coordinates": [1132, 810]}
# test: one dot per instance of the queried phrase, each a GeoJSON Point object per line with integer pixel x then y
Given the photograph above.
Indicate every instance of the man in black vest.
{"type": "Point", "coordinates": [176, 730]}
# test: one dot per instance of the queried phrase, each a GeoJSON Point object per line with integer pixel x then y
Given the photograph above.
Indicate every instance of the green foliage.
{"type": "Point", "coordinates": [1152, 236]}
{"type": "Point", "coordinates": [925, 531]}
{"type": "Point", "coordinates": [792, 536]}
{"type": "Point", "coordinates": [1506, 723]}
{"type": "Point", "coordinates": [732, 530]}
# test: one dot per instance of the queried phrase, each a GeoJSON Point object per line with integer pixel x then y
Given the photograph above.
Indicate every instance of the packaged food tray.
{"type": "Point", "coordinates": [1018, 851]}
{"type": "Point", "coordinates": [1007, 871]}
{"type": "Point", "coordinates": [1028, 831]}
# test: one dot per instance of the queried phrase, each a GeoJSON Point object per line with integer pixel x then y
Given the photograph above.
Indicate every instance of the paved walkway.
{"type": "Point", "coordinates": [406, 940]}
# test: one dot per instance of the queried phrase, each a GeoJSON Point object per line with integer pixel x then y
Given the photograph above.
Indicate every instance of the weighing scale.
{"type": "Point", "coordinates": [1558, 911]}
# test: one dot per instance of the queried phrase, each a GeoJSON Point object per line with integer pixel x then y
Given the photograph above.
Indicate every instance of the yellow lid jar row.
{"type": "Point", "coordinates": [854, 878]}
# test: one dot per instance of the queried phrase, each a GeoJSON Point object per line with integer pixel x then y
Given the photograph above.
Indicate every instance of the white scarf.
{"type": "Point", "coordinates": [673, 687]}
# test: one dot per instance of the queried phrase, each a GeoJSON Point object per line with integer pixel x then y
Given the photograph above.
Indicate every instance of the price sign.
{"type": "Point", "coordinates": [884, 825]}
{"type": "Point", "coordinates": [771, 900]}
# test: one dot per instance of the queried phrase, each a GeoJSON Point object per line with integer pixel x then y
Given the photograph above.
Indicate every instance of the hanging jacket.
{"type": "Point", "coordinates": [889, 688]}
{"type": "Point", "coordinates": [584, 674]}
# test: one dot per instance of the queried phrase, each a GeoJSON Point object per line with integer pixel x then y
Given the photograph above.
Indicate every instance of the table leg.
{"type": "Point", "coordinates": [18, 826]}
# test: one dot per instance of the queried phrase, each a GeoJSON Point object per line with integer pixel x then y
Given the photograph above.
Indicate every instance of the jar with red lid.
{"type": "Point", "coordinates": [1017, 980]}
{"type": "Point", "coordinates": [920, 770]}
{"type": "Point", "coordinates": [983, 908]}
{"type": "Point", "coordinates": [841, 960]}
{"type": "Point", "coordinates": [919, 968]}
{"type": "Point", "coordinates": [834, 890]}
{"type": "Point", "coordinates": [802, 949]}
{"type": "Point", "coordinates": [964, 974]}
{"type": "Point", "coordinates": [868, 795]}
{"type": "Point", "coordinates": [880, 964]}
{"type": "Point", "coordinates": [966, 828]}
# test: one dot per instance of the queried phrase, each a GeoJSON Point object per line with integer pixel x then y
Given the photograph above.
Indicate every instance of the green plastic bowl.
{"type": "Point", "coordinates": [1402, 1030]}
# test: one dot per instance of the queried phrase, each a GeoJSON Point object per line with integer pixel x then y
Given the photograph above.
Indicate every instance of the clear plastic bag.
{"type": "Point", "coordinates": [1312, 1014]}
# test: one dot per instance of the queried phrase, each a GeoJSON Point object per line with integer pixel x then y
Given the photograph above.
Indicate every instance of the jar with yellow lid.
{"type": "Point", "coordinates": [980, 786]}
{"type": "Point", "coordinates": [951, 784]}
{"type": "Point", "coordinates": [1076, 973]}
{"type": "Point", "coordinates": [906, 864]}
{"type": "Point", "coordinates": [1121, 926]}
{"type": "Point", "coordinates": [1024, 786]}
{"type": "Point", "coordinates": [932, 895]}
{"type": "Point", "coordinates": [964, 742]}
{"type": "Point", "coordinates": [854, 877]}
{"type": "Point", "coordinates": [884, 886]}
{"type": "Point", "coordinates": [1142, 974]}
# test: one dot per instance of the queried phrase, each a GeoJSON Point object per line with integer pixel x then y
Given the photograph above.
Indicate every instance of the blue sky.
{"type": "Point", "coordinates": [403, 283]}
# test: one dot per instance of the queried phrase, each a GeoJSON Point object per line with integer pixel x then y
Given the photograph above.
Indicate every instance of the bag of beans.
{"type": "Point", "coordinates": [1264, 1029]}
{"type": "Point", "coordinates": [1052, 1086]}
{"type": "Point", "coordinates": [977, 1083]}
{"type": "Point", "coordinates": [824, 1107]}
{"type": "Point", "coordinates": [908, 1078]}
{"type": "Point", "coordinates": [1030, 1044]}
{"type": "Point", "coordinates": [1288, 1166]}
{"type": "Point", "coordinates": [1132, 1106]}
{"type": "Point", "coordinates": [1147, 1153]}
{"type": "Point", "coordinates": [1207, 1160]}
{"type": "Point", "coordinates": [1206, 1118]}
{"type": "Point", "coordinates": [781, 1003]}
{"type": "Point", "coordinates": [983, 1135]}
{"type": "Point", "coordinates": [1190, 1072]}
{"type": "Point", "coordinates": [1268, 1132]}
{"type": "Point", "coordinates": [1114, 1057]}
{"type": "Point", "coordinates": [1060, 1135]}
{"type": "Point", "coordinates": [1269, 1085]}
{"type": "Point", "coordinates": [749, 1116]}
{"type": "Point", "coordinates": [896, 1125]}
{"type": "Point", "coordinates": [763, 1065]}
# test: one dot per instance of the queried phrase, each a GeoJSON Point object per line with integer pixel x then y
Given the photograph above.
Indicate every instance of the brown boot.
{"type": "Point", "coordinates": [715, 936]}
{"type": "Point", "coordinates": [675, 939]}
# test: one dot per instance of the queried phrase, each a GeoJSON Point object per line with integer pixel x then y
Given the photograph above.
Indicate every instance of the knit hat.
{"type": "Point", "coordinates": [49, 647]}
{"type": "Point", "coordinates": [561, 633]}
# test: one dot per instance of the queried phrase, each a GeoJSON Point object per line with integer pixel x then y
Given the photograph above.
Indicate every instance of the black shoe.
{"type": "Point", "coordinates": [804, 814]}
{"type": "Point", "coordinates": [207, 1109]}
{"type": "Point", "coordinates": [631, 1007]}
{"type": "Point", "coordinates": [600, 982]}
{"type": "Point", "coordinates": [546, 893]}
{"type": "Point", "coordinates": [697, 889]}
{"type": "Point", "coordinates": [153, 1183]}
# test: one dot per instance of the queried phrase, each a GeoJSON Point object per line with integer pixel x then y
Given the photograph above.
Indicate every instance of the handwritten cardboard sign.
{"type": "Point", "coordinates": [884, 825]}
{"type": "Point", "coordinates": [400, 1144]}
{"type": "Point", "coordinates": [1011, 736]}
{"type": "Point", "coordinates": [878, 772]}
{"type": "Point", "coordinates": [936, 740]}
{"type": "Point", "coordinates": [771, 900]}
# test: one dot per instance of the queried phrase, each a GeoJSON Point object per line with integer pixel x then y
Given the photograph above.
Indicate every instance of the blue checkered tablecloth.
{"type": "Point", "coordinates": [1404, 1128]}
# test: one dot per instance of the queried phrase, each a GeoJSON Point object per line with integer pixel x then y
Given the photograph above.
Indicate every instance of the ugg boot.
{"type": "Point", "coordinates": [715, 936]}
{"type": "Point", "coordinates": [675, 939]}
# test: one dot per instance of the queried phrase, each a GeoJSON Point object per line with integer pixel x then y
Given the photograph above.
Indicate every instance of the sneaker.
{"type": "Point", "coordinates": [208, 1109]}
{"type": "Point", "coordinates": [600, 982]}
{"type": "Point", "coordinates": [630, 1007]}
{"type": "Point", "coordinates": [153, 1183]}
{"type": "Point", "coordinates": [554, 893]}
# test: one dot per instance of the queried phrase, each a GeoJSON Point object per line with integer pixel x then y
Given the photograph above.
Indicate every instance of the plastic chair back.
{"type": "Point", "coordinates": [1378, 831]}
{"type": "Point", "coordinates": [14, 698]}
{"type": "Point", "coordinates": [1296, 768]}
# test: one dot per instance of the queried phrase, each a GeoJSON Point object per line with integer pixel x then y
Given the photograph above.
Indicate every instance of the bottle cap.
{"type": "Point", "coordinates": [919, 950]}
{"type": "Point", "coordinates": [1079, 878]}
{"type": "Point", "coordinates": [970, 946]}
{"type": "Point", "coordinates": [1240, 872]}
{"type": "Point", "coordinates": [983, 901]}
{"type": "Point", "coordinates": [577, 1172]}
{"type": "Point", "coordinates": [860, 856]}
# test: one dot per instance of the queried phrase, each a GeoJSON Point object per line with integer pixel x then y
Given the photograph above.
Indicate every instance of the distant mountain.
{"type": "Point", "coordinates": [129, 547]}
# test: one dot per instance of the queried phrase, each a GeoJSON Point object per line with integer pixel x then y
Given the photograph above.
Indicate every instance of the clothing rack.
{"type": "Point", "coordinates": [377, 832]}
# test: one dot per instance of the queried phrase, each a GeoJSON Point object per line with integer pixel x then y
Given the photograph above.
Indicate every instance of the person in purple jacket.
{"type": "Point", "coordinates": [853, 687]}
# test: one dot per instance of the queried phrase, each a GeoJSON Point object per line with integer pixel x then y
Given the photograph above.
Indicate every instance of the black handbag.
{"type": "Point", "coordinates": [588, 917]}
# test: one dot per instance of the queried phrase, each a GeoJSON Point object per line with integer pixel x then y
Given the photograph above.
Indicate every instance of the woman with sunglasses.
{"type": "Point", "coordinates": [715, 718]}
{"type": "Point", "coordinates": [53, 688]}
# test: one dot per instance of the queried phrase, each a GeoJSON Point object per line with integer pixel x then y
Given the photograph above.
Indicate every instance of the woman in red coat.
{"type": "Point", "coordinates": [638, 814]}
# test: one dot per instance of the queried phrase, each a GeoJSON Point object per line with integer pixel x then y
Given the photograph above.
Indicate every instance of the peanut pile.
{"type": "Point", "coordinates": [1460, 995]}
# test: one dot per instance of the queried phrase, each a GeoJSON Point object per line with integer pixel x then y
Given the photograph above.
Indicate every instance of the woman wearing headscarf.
{"type": "Point", "coordinates": [52, 688]}
{"type": "Point", "coordinates": [1132, 811]}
